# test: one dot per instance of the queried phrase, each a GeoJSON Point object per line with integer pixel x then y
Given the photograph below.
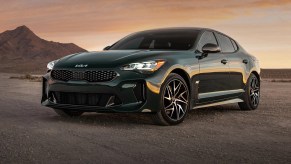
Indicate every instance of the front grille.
{"type": "Point", "coordinates": [87, 99]}
{"type": "Point", "coordinates": [62, 75]}
{"type": "Point", "coordinates": [90, 76]}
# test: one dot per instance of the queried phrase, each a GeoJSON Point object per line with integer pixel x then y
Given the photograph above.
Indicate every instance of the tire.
{"type": "Point", "coordinates": [251, 97]}
{"type": "Point", "coordinates": [174, 99]}
{"type": "Point", "coordinates": [68, 113]}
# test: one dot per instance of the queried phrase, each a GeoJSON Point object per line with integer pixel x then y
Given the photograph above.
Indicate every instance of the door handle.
{"type": "Point", "coordinates": [223, 61]}
{"type": "Point", "coordinates": [245, 61]}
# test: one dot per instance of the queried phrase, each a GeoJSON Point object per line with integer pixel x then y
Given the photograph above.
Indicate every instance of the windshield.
{"type": "Point", "coordinates": [158, 40]}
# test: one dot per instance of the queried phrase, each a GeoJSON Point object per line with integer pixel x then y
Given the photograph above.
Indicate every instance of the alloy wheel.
{"type": "Point", "coordinates": [176, 99]}
{"type": "Point", "coordinates": [254, 91]}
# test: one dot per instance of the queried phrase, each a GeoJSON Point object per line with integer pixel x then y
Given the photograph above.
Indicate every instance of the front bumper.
{"type": "Point", "coordinates": [129, 92]}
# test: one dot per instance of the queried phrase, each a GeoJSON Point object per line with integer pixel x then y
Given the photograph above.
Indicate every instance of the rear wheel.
{"type": "Point", "coordinates": [68, 113]}
{"type": "Point", "coordinates": [174, 99]}
{"type": "Point", "coordinates": [251, 96]}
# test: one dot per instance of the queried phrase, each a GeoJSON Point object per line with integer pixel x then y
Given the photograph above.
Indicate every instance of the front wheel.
{"type": "Point", "coordinates": [175, 101]}
{"type": "Point", "coordinates": [67, 113]}
{"type": "Point", "coordinates": [251, 96]}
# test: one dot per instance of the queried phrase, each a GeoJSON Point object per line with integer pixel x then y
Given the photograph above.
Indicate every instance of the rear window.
{"type": "Point", "coordinates": [225, 43]}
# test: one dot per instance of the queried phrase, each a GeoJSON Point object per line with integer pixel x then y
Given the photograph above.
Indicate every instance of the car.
{"type": "Point", "coordinates": [164, 72]}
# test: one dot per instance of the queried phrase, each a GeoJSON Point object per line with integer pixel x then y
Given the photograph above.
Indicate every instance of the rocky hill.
{"type": "Point", "coordinates": [22, 51]}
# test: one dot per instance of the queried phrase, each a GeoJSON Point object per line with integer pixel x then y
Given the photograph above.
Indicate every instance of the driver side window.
{"type": "Point", "coordinates": [207, 37]}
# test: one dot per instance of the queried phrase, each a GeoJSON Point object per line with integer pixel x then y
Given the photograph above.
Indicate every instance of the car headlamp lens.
{"type": "Point", "coordinates": [148, 66]}
{"type": "Point", "coordinates": [51, 64]}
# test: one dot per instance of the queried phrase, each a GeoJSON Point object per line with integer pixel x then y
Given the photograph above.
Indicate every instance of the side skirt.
{"type": "Point", "coordinates": [236, 100]}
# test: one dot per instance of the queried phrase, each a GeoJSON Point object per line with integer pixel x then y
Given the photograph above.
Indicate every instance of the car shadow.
{"type": "Point", "coordinates": [216, 109]}
{"type": "Point", "coordinates": [142, 118]}
{"type": "Point", "coordinates": [211, 112]}
{"type": "Point", "coordinates": [108, 119]}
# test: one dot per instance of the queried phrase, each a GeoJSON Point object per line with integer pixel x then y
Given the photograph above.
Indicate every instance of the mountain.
{"type": "Point", "coordinates": [22, 51]}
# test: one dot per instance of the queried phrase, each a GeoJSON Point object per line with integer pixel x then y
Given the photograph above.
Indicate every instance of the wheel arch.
{"type": "Point", "coordinates": [184, 75]}
{"type": "Point", "coordinates": [257, 75]}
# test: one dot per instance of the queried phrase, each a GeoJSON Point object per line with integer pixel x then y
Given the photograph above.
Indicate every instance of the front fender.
{"type": "Point", "coordinates": [155, 82]}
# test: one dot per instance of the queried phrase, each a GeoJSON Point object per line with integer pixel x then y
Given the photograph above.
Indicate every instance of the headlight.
{"type": "Point", "coordinates": [51, 64]}
{"type": "Point", "coordinates": [147, 66]}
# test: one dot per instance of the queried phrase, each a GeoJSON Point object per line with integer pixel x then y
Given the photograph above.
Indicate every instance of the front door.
{"type": "Point", "coordinates": [214, 72]}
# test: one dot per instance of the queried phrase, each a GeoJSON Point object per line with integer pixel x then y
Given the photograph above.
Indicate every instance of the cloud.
{"type": "Point", "coordinates": [61, 16]}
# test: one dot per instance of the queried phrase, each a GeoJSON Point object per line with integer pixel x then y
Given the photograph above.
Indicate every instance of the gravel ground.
{"type": "Point", "coordinates": [30, 133]}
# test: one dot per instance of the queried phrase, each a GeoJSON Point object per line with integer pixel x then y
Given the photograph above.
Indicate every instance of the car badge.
{"type": "Point", "coordinates": [81, 65]}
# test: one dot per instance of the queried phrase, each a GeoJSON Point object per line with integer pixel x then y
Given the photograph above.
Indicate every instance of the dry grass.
{"type": "Point", "coordinates": [281, 80]}
{"type": "Point", "coordinates": [276, 74]}
{"type": "Point", "coordinates": [28, 77]}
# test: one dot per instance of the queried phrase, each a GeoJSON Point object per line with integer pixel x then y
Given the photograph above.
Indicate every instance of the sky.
{"type": "Point", "coordinates": [262, 27]}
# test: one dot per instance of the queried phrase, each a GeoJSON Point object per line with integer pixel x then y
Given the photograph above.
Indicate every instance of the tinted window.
{"type": "Point", "coordinates": [225, 43]}
{"type": "Point", "coordinates": [207, 37]}
{"type": "Point", "coordinates": [234, 45]}
{"type": "Point", "coordinates": [130, 44]}
{"type": "Point", "coordinates": [158, 40]}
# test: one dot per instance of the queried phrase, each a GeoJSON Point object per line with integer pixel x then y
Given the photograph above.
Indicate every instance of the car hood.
{"type": "Point", "coordinates": [107, 59]}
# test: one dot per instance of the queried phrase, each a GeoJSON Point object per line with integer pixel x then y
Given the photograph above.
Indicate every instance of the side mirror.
{"type": "Point", "coordinates": [107, 48]}
{"type": "Point", "coordinates": [210, 48]}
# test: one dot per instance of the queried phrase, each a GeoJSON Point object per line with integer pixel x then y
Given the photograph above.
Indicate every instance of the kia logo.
{"type": "Point", "coordinates": [81, 65]}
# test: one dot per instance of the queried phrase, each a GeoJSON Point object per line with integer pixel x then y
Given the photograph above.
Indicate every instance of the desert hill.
{"type": "Point", "coordinates": [22, 51]}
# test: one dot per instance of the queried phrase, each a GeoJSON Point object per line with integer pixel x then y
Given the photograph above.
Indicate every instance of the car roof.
{"type": "Point", "coordinates": [189, 29]}
{"type": "Point", "coordinates": [177, 29]}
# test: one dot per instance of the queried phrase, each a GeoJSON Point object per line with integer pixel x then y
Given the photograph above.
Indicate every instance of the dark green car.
{"type": "Point", "coordinates": [165, 72]}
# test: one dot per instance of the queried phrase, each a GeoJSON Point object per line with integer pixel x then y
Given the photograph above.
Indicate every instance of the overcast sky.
{"type": "Point", "coordinates": [262, 27]}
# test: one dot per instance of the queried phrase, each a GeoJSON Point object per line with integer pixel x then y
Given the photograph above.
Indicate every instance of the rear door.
{"type": "Point", "coordinates": [237, 66]}
{"type": "Point", "coordinates": [214, 73]}
{"type": "Point", "coordinates": [229, 50]}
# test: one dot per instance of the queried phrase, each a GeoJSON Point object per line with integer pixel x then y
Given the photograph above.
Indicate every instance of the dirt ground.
{"type": "Point", "coordinates": [30, 133]}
